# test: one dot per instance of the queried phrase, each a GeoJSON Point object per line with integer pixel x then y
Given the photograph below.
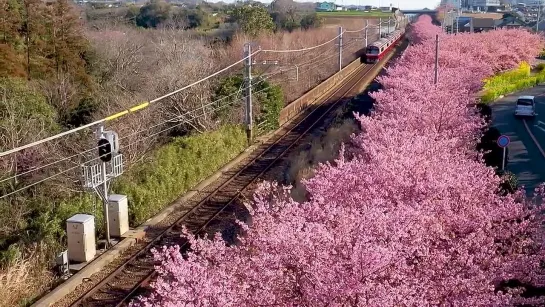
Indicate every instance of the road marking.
{"type": "Point", "coordinates": [538, 125]}
{"type": "Point", "coordinates": [533, 138]}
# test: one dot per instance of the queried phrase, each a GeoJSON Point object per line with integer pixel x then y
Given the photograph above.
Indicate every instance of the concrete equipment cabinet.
{"type": "Point", "coordinates": [118, 215]}
{"type": "Point", "coordinates": [80, 230]}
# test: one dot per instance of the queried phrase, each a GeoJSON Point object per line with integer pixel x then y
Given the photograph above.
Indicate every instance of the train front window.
{"type": "Point", "coordinates": [372, 50]}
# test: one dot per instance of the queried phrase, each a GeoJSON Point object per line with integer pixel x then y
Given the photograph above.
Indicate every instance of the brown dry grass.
{"type": "Point", "coordinates": [23, 278]}
{"type": "Point", "coordinates": [314, 65]}
{"type": "Point", "coordinates": [483, 15]}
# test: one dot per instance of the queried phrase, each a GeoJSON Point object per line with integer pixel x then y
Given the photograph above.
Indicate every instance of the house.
{"type": "Point", "coordinates": [326, 7]}
{"type": "Point", "coordinates": [480, 25]}
{"type": "Point", "coordinates": [511, 21]}
{"type": "Point", "coordinates": [540, 27]}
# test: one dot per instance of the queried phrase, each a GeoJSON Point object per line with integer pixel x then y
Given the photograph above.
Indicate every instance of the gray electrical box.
{"type": "Point", "coordinates": [80, 230]}
{"type": "Point", "coordinates": [118, 214]}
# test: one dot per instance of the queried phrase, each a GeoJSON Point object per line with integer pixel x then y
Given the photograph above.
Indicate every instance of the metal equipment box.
{"type": "Point", "coordinates": [80, 230]}
{"type": "Point", "coordinates": [118, 215]}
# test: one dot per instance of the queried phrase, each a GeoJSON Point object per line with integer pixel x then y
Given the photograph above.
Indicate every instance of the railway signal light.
{"type": "Point", "coordinates": [108, 146]}
{"type": "Point", "coordinates": [104, 150]}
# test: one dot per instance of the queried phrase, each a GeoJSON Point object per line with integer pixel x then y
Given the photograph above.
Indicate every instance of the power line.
{"type": "Point", "coordinates": [96, 147]}
{"type": "Point", "coordinates": [137, 141]}
{"type": "Point", "coordinates": [259, 77]}
{"type": "Point", "coordinates": [141, 106]}
{"type": "Point", "coordinates": [303, 49]}
{"type": "Point", "coordinates": [146, 104]}
{"type": "Point", "coordinates": [168, 120]}
{"type": "Point", "coordinates": [117, 115]}
{"type": "Point", "coordinates": [135, 133]}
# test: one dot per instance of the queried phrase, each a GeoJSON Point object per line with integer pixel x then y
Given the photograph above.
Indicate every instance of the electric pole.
{"type": "Point", "coordinates": [436, 57]}
{"type": "Point", "coordinates": [538, 15]}
{"type": "Point", "coordinates": [248, 83]}
{"type": "Point", "coordinates": [388, 31]}
{"type": "Point", "coordinates": [340, 48]}
{"type": "Point", "coordinates": [366, 26]}
{"type": "Point", "coordinates": [379, 28]}
{"type": "Point", "coordinates": [100, 133]}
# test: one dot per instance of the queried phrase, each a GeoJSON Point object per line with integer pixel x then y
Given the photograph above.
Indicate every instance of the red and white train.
{"type": "Point", "coordinates": [376, 51]}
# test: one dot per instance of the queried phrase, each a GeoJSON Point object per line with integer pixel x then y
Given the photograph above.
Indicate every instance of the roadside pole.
{"type": "Point", "coordinates": [503, 142]}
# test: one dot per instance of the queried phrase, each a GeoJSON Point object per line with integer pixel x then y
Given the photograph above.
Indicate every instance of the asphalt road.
{"type": "Point", "coordinates": [526, 154]}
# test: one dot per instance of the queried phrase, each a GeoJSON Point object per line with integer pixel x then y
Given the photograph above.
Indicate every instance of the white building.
{"type": "Point", "coordinates": [532, 3]}
{"type": "Point", "coordinates": [483, 5]}
{"type": "Point", "coordinates": [452, 3]}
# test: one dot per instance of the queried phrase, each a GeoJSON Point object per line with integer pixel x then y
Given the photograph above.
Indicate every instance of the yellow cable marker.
{"type": "Point", "coordinates": [139, 107]}
{"type": "Point", "coordinates": [135, 108]}
{"type": "Point", "coordinates": [114, 116]}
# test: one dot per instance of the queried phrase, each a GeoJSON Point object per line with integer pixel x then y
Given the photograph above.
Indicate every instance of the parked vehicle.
{"type": "Point", "coordinates": [526, 107]}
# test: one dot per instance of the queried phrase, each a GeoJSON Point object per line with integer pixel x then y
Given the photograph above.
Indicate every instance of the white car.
{"type": "Point", "coordinates": [526, 106]}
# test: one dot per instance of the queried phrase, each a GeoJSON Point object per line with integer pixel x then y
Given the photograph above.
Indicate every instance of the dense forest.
{"type": "Point", "coordinates": [64, 65]}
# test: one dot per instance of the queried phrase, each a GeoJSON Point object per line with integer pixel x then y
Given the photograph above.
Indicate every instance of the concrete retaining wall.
{"type": "Point", "coordinates": [312, 95]}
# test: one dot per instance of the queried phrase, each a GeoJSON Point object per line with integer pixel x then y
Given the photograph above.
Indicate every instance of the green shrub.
{"type": "Point", "coordinates": [268, 101]}
{"type": "Point", "coordinates": [171, 170]}
{"type": "Point", "coordinates": [511, 81]}
{"type": "Point", "coordinates": [177, 167]}
{"type": "Point", "coordinates": [509, 182]}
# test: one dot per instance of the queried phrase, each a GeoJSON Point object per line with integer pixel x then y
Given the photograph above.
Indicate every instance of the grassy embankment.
{"type": "Point", "coordinates": [176, 168]}
{"type": "Point", "coordinates": [511, 81]}
{"type": "Point", "coordinates": [169, 171]}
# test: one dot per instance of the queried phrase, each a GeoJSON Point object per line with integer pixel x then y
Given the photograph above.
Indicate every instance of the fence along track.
{"type": "Point", "coordinates": [130, 277]}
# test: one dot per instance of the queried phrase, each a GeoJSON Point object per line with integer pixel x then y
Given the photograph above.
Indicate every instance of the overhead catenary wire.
{"type": "Point", "coordinates": [315, 61]}
{"type": "Point", "coordinates": [368, 26]}
{"type": "Point", "coordinates": [159, 124]}
{"type": "Point", "coordinates": [301, 50]}
{"type": "Point", "coordinates": [133, 109]}
{"type": "Point", "coordinates": [139, 131]}
{"type": "Point", "coordinates": [97, 158]}
{"type": "Point", "coordinates": [117, 115]}
{"type": "Point", "coordinates": [96, 147]}
{"type": "Point", "coordinates": [146, 104]}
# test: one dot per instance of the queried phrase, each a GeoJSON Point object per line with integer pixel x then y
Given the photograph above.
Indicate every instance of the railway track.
{"type": "Point", "coordinates": [132, 276]}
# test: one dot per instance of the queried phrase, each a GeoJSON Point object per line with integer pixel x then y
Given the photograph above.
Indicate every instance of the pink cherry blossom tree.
{"type": "Point", "coordinates": [409, 216]}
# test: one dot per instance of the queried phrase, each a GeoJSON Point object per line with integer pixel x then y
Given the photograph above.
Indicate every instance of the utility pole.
{"type": "Point", "coordinates": [366, 26]}
{"type": "Point", "coordinates": [248, 83]}
{"type": "Point", "coordinates": [436, 57]}
{"type": "Point", "coordinates": [340, 48]}
{"type": "Point", "coordinates": [390, 20]}
{"type": "Point", "coordinates": [379, 28]}
{"type": "Point", "coordinates": [100, 132]}
{"type": "Point", "coordinates": [538, 15]}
